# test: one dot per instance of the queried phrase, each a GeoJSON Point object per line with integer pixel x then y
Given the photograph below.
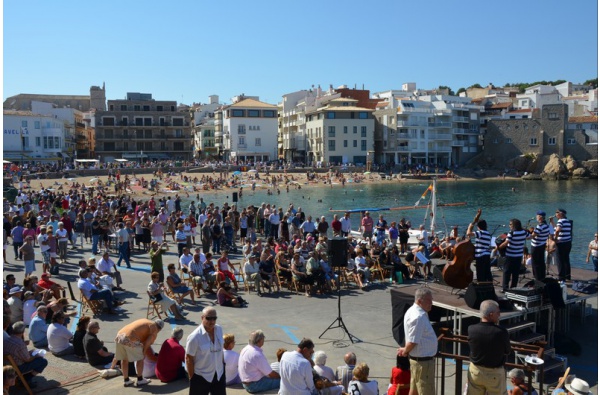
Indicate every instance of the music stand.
{"type": "Point", "coordinates": [339, 321]}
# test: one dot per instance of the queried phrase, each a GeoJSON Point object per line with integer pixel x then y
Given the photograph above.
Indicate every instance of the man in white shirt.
{"type": "Point", "coordinates": [274, 221]}
{"type": "Point", "coordinates": [185, 259]}
{"type": "Point", "coordinates": [204, 356]}
{"type": "Point", "coordinates": [105, 266]}
{"type": "Point", "coordinates": [251, 271]}
{"type": "Point", "coordinates": [90, 291]}
{"type": "Point", "coordinates": [254, 368]}
{"type": "Point", "coordinates": [296, 370]}
{"type": "Point", "coordinates": [346, 224]}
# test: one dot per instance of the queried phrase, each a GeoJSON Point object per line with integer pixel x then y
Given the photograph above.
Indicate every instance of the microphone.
{"type": "Point", "coordinates": [531, 219]}
{"type": "Point", "coordinates": [504, 226]}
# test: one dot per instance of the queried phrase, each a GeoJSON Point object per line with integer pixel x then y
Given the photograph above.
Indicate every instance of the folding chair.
{"type": "Point", "coordinates": [154, 308]}
{"type": "Point", "coordinates": [377, 271]}
{"type": "Point", "coordinates": [95, 306]}
{"type": "Point", "coordinates": [11, 360]}
{"type": "Point", "coordinates": [186, 278]}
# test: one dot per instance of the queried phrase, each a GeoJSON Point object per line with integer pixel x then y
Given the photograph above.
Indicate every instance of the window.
{"type": "Point", "coordinates": [109, 146]}
{"type": "Point", "coordinates": [136, 107]}
{"type": "Point", "coordinates": [363, 115]}
{"type": "Point", "coordinates": [257, 142]}
{"type": "Point", "coordinates": [173, 108]}
{"type": "Point", "coordinates": [363, 131]}
{"type": "Point", "coordinates": [345, 143]}
{"type": "Point", "coordinates": [571, 142]}
{"type": "Point", "coordinates": [25, 142]}
{"type": "Point", "coordinates": [355, 129]}
{"type": "Point", "coordinates": [146, 108]}
{"type": "Point", "coordinates": [508, 141]}
{"type": "Point", "coordinates": [123, 107]}
{"type": "Point", "coordinates": [355, 143]}
{"type": "Point", "coordinates": [179, 133]}
{"type": "Point", "coordinates": [139, 146]}
{"type": "Point", "coordinates": [163, 146]}
{"type": "Point", "coordinates": [124, 121]}
{"type": "Point", "coordinates": [268, 113]}
{"type": "Point", "coordinates": [108, 121]}
{"type": "Point", "coordinates": [331, 145]}
{"type": "Point", "coordinates": [148, 121]}
{"type": "Point", "coordinates": [38, 141]}
{"type": "Point", "coordinates": [125, 146]}
{"type": "Point", "coordinates": [533, 141]}
{"type": "Point", "coordinates": [330, 115]}
{"type": "Point", "coordinates": [148, 146]}
{"type": "Point", "coordinates": [108, 134]}
{"type": "Point", "coordinates": [408, 105]}
{"type": "Point", "coordinates": [159, 108]}
{"type": "Point", "coordinates": [237, 113]}
{"type": "Point", "coordinates": [177, 121]}
{"type": "Point", "coordinates": [552, 115]}
{"type": "Point", "coordinates": [331, 131]}
{"type": "Point", "coordinates": [552, 141]}
{"type": "Point", "coordinates": [363, 145]}
{"type": "Point", "coordinates": [242, 141]}
{"type": "Point", "coordinates": [139, 122]}
{"type": "Point", "coordinates": [523, 102]}
{"type": "Point", "coordinates": [594, 126]}
{"type": "Point", "coordinates": [178, 146]}
{"type": "Point", "coordinates": [495, 141]}
{"type": "Point", "coordinates": [36, 124]}
{"type": "Point", "coordinates": [24, 124]}
{"type": "Point", "coordinates": [148, 134]}
{"type": "Point", "coordinates": [57, 142]}
{"type": "Point", "coordinates": [241, 129]}
{"type": "Point", "coordinates": [345, 129]}
{"type": "Point", "coordinates": [254, 113]}
{"type": "Point", "coordinates": [578, 126]}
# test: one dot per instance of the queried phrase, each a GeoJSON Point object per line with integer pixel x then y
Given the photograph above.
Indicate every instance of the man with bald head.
{"type": "Point", "coordinates": [204, 356]}
{"type": "Point", "coordinates": [343, 374]}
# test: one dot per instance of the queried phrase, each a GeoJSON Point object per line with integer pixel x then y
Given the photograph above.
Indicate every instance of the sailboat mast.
{"type": "Point", "coordinates": [433, 207]}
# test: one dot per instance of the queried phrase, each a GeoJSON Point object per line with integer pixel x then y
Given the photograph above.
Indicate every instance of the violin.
{"type": "Point", "coordinates": [458, 273]}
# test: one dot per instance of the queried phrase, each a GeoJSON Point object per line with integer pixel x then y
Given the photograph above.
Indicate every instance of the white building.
{"type": "Point", "coordinates": [339, 132]}
{"type": "Point", "coordinates": [203, 130]}
{"type": "Point", "coordinates": [249, 131]}
{"type": "Point", "coordinates": [33, 137]}
{"type": "Point", "coordinates": [537, 96]}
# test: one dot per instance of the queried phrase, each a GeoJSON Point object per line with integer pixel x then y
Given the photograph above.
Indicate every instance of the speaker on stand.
{"type": "Point", "coordinates": [478, 292]}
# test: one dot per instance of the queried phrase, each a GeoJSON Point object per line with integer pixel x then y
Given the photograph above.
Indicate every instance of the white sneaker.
{"type": "Point", "coordinates": [141, 382]}
{"type": "Point", "coordinates": [127, 383]}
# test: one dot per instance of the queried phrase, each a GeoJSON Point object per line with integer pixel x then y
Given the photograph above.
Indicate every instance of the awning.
{"type": "Point", "coordinates": [121, 160]}
{"type": "Point", "coordinates": [86, 160]}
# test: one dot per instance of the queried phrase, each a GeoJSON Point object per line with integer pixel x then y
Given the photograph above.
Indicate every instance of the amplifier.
{"type": "Point", "coordinates": [526, 291]}
{"type": "Point", "coordinates": [527, 301]}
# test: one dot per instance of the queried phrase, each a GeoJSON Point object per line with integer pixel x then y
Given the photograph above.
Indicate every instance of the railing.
{"type": "Point", "coordinates": [460, 119]}
{"type": "Point", "coordinates": [409, 123]}
{"type": "Point", "coordinates": [440, 124]}
{"type": "Point", "coordinates": [440, 136]}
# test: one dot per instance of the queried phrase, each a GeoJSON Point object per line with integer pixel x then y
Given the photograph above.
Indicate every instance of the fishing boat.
{"type": "Point", "coordinates": [430, 218]}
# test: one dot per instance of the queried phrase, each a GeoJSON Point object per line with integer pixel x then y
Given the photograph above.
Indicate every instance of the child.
{"type": "Point", "coordinates": [400, 379]}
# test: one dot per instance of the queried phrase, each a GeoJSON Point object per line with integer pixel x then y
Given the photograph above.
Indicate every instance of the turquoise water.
{"type": "Point", "coordinates": [495, 197]}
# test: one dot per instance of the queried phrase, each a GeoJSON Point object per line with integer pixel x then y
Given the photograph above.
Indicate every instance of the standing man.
{"type": "Point", "coordinates": [132, 343]}
{"type": "Point", "coordinates": [483, 240]}
{"type": "Point", "coordinates": [593, 252]}
{"type": "Point", "coordinates": [421, 344]}
{"type": "Point", "coordinates": [539, 238]}
{"type": "Point", "coordinates": [336, 226]}
{"type": "Point", "coordinates": [563, 237]}
{"type": "Point", "coordinates": [204, 356]}
{"type": "Point", "coordinates": [346, 224]}
{"type": "Point", "coordinates": [123, 243]}
{"type": "Point", "coordinates": [489, 345]}
{"type": "Point", "coordinates": [296, 370]}
{"type": "Point", "coordinates": [254, 368]}
{"type": "Point", "coordinates": [366, 225]}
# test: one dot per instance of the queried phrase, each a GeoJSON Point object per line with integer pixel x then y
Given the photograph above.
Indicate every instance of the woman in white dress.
{"type": "Point", "coordinates": [360, 384]}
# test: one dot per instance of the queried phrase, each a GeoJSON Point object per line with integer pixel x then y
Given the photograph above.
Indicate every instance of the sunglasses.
{"type": "Point", "coordinates": [210, 318]}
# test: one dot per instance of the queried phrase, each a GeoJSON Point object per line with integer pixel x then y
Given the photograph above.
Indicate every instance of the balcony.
{"type": "Point", "coordinates": [460, 119]}
{"type": "Point", "coordinates": [403, 124]}
{"type": "Point", "coordinates": [459, 143]}
{"type": "Point", "coordinates": [440, 124]}
{"type": "Point", "coordinates": [440, 136]}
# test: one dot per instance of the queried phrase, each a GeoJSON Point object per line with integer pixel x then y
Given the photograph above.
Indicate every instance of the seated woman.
{"type": "Point", "coordinates": [266, 269]}
{"type": "Point", "coordinates": [176, 285]}
{"type": "Point", "coordinates": [226, 298]}
{"type": "Point", "coordinates": [155, 291]}
{"type": "Point", "coordinates": [362, 267]}
{"type": "Point", "coordinates": [209, 273]}
{"type": "Point", "coordinates": [59, 337]}
{"type": "Point", "coordinates": [300, 274]}
{"type": "Point", "coordinates": [400, 378]}
{"type": "Point", "coordinates": [360, 383]}
{"type": "Point", "coordinates": [326, 375]}
{"type": "Point", "coordinates": [284, 269]}
{"type": "Point", "coordinates": [352, 272]}
{"type": "Point", "coordinates": [398, 266]}
{"type": "Point", "coordinates": [224, 264]}
{"type": "Point", "coordinates": [231, 359]}
{"type": "Point", "coordinates": [80, 332]}
{"type": "Point", "coordinates": [517, 379]}
{"type": "Point", "coordinates": [314, 270]}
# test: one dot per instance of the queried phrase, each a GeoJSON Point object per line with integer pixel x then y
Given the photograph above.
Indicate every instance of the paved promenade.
{"type": "Point", "coordinates": [285, 318]}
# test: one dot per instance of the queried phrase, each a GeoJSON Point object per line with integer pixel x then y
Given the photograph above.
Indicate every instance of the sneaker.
{"type": "Point", "coordinates": [127, 383]}
{"type": "Point", "coordinates": [141, 382]}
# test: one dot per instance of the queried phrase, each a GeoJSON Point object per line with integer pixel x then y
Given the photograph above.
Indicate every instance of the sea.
{"type": "Point", "coordinates": [500, 201]}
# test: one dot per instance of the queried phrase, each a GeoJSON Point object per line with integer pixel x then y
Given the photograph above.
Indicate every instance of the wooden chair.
{"type": "Point", "coordinates": [377, 271]}
{"type": "Point", "coordinates": [176, 297]}
{"type": "Point", "coordinates": [297, 285]}
{"type": "Point", "coordinates": [154, 308]}
{"type": "Point", "coordinates": [11, 360]}
{"type": "Point", "coordinates": [248, 285]}
{"type": "Point", "coordinates": [239, 276]}
{"type": "Point", "coordinates": [186, 278]}
{"type": "Point", "coordinates": [95, 306]}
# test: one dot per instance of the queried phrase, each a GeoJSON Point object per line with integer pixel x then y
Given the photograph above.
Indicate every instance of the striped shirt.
{"type": "Point", "coordinates": [564, 233]}
{"type": "Point", "coordinates": [516, 243]}
{"type": "Point", "coordinates": [482, 243]}
{"type": "Point", "coordinates": [540, 235]}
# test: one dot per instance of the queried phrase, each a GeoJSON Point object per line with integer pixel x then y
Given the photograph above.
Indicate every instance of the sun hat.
{"type": "Point", "coordinates": [578, 386]}
{"type": "Point", "coordinates": [15, 290]}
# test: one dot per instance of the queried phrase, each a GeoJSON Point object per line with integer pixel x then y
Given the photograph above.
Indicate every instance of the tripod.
{"type": "Point", "coordinates": [339, 321]}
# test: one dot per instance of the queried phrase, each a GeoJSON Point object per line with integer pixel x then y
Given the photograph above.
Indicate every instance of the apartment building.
{"type": "Point", "coordinates": [246, 131]}
{"type": "Point", "coordinates": [417, 128]}
{"type": "Point", "coordinates": [340, 132]}
{"type": "Point", "coordinates": [203, 129]}
{"type": "Point", "coordinates": [141, 128]}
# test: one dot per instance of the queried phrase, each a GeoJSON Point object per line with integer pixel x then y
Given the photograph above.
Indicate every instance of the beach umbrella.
{"type": "Point", "coordinates": [93, 179]}
{"type": "Point", "coordinates": [367, 172]}
{"type": "Point", "coordinates": [252, 171]}
{"type": "Point", "coordinates": [6, 162]}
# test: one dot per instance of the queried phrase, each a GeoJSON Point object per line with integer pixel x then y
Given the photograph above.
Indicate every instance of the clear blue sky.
{"type": "Point", "coordinates": [189, 49]}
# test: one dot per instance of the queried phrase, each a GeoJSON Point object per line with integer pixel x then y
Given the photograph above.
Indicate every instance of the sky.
{"type": "Point", "coordinates": [187, 50]}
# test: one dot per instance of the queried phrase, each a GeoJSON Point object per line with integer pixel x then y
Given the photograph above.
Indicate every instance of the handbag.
{"type": "Point", "coordinates": [156, 298]}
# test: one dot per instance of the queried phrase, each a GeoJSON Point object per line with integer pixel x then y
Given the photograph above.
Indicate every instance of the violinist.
{"type": "Point", "coordinates": [539, 238]}
{"type": "Point", "coordinates": [483, 240]}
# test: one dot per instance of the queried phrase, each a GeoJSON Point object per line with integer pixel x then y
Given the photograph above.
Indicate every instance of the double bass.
{"type": "Point", "coordinates": [458, 273]}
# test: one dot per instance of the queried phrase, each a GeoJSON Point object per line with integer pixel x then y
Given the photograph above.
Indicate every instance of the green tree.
{"type": "Point", "coordinates": [475, 86]}
{"type": "Point", "coordinates": [450, 91]}
{"type": "Point", "coordinates": [461, 90]}
{"type": "Point", "coordinates": [592, 82]}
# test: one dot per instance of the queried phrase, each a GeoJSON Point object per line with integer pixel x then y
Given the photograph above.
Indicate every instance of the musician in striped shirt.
{"type": "Point", "coordinates": [539, 238]}
{"type": "Point", "coordinates": [563, 237]}
{"type": "Point", "coordinates": [483, 240]}
{"type": "Point", "coordinates": [514, 244]}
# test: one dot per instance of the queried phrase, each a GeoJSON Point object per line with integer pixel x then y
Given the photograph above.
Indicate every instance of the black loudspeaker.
{"type": "Point", "coordinates": [400, 304]}
{"type": "Point", "coordinates": [477, 293]}
{"type": "Point", "coordinates": [337, 248]}
{"type": "Point", "coordinates": [553, 293]}
{"type": "Point", "coordinates": [235, 197]}
{"type": "Point", "coordinates": [437, 273]}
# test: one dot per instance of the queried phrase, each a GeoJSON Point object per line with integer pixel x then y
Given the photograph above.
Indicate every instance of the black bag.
{"type": "Point", "coordinates": [54, 270]}
{"type": "Point", "coordinates": [156, 298]}
{"type": "Point", "coordinates": [585, 287]}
